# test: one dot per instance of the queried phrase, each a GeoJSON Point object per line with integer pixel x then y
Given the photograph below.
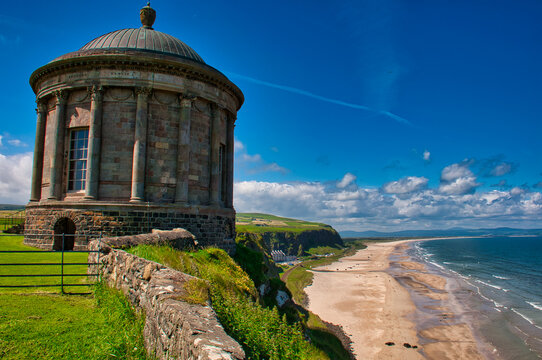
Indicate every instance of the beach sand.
{"type": "Point", "coordinates": [373, 308]}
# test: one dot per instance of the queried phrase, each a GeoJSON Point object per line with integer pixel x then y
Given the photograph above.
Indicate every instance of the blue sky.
{"type": "Point", "coordinates": [381, 115]}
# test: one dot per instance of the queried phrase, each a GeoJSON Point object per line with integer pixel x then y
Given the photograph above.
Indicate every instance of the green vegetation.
{"type": "Point", "coordinates": [257, 235]}
{"type": "Point", "coordinates": [47, 325]}
{"type": "Point", "coordinates": [9, 218]}
{"type": "Point", "coordinates": [263, 332]}
{"type": "Point", "coordinates": [259, 223]}
{"type": "Point", "coordinates": [16, 243]}
{"type": "Point", "coordinates": [52, 326]}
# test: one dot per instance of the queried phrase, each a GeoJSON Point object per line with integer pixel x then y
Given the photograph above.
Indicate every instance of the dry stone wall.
{"type": "Point", "coordinates": [174, 329]}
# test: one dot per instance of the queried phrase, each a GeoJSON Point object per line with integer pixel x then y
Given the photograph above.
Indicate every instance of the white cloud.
{"type": "Point", "coordinates": [427, 155]}
{"type": "Point", "coordinates": [254, 163]}
{"type": "Point", "coordinates": [347, 179]}
{"type": "Point", "coordinates": [356, 208]}
{"type": "Point", "coordinates": [457, 179]}
{"type": "Point", "coordinates": [238, 146]}
{"type": "Point", "coordinates": [405, 185]}
{"type": "Point", "coordinates": [1, 137]}
{"type": "Point", "coordinates": [16, 142]}
{"type": "Point", "coordinates": [15, 178]}
{"type": "Point", "coordinates": [502, 169]}
{"type": "Point", "coordinates": [251, 158]}
{"type": "Point", "coordinates": [274, 167]}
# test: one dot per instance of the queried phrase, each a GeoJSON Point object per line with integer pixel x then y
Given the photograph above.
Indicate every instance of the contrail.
{"type": "Point", "coordinates": [323, 98]}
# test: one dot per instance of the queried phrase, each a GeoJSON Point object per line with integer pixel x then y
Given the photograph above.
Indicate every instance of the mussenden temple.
{"type": "Point", "coordinates": [134, 133]}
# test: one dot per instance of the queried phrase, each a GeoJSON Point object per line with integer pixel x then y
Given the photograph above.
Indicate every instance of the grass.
{"type": "Point", "coordinates": [52, 326]}
{"type": "Point", "coordinates": [263, 333]}
{"type": "Point", "coordinates": [9, 218]}
{"type": "Point", "coordinates": [259, 223]}
{"type": "Point", "coordinates": [47, 325]}
{"type": "Point", "coordinates": [16, 243]}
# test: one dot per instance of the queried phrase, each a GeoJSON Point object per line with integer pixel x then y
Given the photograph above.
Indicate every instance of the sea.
{"type": "Point", "coordinates": [496, 287]}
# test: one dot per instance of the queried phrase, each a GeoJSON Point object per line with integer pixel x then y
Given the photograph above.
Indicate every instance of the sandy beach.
{"type": "Point", "coordinates": [376, 311]}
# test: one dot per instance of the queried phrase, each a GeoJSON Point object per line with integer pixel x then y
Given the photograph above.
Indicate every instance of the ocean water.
{"type": "Point", "coordinates": [497, 284]}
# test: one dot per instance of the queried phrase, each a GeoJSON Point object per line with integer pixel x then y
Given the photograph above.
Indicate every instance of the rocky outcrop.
{"type": "Point", "coordinates": [174, 329]}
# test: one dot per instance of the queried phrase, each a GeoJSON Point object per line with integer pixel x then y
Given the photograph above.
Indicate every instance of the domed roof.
{"type": "Point", "coordinates": [144, 39]}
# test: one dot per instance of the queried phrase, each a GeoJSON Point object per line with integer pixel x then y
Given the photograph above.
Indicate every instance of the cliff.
{"type": "Point", "coordinates": [290, 241]}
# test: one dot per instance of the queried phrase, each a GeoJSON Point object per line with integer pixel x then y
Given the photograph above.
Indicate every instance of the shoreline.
{"type": "Point", "coordinates": [371, 296]}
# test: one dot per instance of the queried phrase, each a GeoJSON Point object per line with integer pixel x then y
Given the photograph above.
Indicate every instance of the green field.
{"type": "Point", "coordinates": [16, 243]}
{"type": "Point", "coordinates": [8, 218]}
{"type": "Point", "coordinates": [258, 223]}
{"type": "Point", "coordinates": [40, 323]}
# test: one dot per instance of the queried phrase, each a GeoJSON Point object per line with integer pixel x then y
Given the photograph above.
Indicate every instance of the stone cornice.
{"type": "Point", "coordinates": [134, 60]}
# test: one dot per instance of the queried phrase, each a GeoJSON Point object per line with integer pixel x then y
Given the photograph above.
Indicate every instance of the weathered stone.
{"type": "Point", "coordinates": [147, 272]}
{"type": "Point", "coordinates": [160, 142]}
{"type": "Point", "coordinates": [173, 328]}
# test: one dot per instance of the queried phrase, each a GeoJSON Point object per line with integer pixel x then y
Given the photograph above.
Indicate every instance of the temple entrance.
{"type": "Point", "coordinates": [67, 227]}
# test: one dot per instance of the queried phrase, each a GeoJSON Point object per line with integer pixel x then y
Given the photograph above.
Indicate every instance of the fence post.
{"type": "Point", "coordinates": [98, 260]}
{"type": "Point", "coordinates": [62, 267]}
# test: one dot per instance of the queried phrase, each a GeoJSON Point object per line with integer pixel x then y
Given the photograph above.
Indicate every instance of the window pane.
{"type": "Point", "coordinates": [78, 159]}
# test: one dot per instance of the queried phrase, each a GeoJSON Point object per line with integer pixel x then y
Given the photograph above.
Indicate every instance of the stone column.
{"type": "Point", "coordinates": [229, 161]}
{"type": "Point", "coordinates": [183, 150]}
{"type": "Point", "coordinates": [214, 186]}
{"type": "Point", "coordinates": [140, 146]}
{"type": "Point", "coordinates": [57, 155]}
{"type": "Point", "coordinates": [94, 143]}
{"type": "Point", "coordinates": [37, 167]}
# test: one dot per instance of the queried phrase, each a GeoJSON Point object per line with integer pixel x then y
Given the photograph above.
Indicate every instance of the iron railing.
{"type": "Point", "coordinates": [62, 275]}
{"type": "Point", "coordinates": [12, 219]}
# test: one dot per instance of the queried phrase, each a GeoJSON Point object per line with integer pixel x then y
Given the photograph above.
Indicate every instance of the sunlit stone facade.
{"type": "Point", "coordinates": [134, 132]}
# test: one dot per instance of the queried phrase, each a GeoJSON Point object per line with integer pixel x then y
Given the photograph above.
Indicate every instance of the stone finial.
{"type": "Point", "coordinates": [147, 16]}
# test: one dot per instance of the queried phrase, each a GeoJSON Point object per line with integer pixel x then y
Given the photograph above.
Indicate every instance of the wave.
{"type": "Point", "coordinates": [496, 304]}
{"type": "Point", "coordinates": [536, 305]}
{"type": "Point", "coordinates": [529, 320]}
{"type": "Point", "coordinates": [437, 265]}
{"type": "Point", "coordinates": [501, 277]}
{"type": "Point", "coordinates": [493, 286]}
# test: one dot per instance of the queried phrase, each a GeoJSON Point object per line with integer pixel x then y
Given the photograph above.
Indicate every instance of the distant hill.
{"type": "Point", "coordinates": [11, 207]}
{"type": "Point", "coordinates": [440, 233]}
{"type": "Point", "coordinates": [257, 222]}
{"type": "Point", "coordinates": [265, 232]}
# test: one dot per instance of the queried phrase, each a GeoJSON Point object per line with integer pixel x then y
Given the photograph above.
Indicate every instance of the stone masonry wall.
{"type": "Point", "coordinates": [174, 329]}
{"type": "Point", "coordinates": [211, 227]}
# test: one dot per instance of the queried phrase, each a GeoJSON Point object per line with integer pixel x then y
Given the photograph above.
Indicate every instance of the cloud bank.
{"type": "Point", "coordinates": [407, 203]}
{"type": "Point", "coordinates": [15, 178]}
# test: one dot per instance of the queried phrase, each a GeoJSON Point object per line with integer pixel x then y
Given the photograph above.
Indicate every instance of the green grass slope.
{"type": "Point", "coordinates": [39, 323]}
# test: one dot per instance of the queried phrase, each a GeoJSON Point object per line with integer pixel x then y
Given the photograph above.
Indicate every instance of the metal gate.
{"type": "Point", "coordinates": [64, 275]}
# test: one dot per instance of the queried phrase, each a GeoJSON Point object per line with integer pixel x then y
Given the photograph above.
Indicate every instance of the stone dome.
{"type": "Point", "coordinates": [143, 39]}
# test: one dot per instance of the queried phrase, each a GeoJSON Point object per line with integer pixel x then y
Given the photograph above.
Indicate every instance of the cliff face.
{"type": "Point", "coordinates": [289, 242]}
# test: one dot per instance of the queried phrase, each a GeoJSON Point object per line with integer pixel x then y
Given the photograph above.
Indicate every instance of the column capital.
{"type": "Point", "coordinates": [41, 106]}
{"type": "Point", "coordinates": [61, 96]}
{"type": "Point", "coordinates": [96, 92]}
{"type": "Point", "coordinates": [187, 100]}
{"type": "Point", "coordinates": [143, 92]}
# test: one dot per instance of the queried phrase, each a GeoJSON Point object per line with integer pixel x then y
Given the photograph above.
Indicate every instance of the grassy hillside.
{"type": "Point", "coordinates": [258, 223]}
{"type": "Point", "coordinates": [263, 332]}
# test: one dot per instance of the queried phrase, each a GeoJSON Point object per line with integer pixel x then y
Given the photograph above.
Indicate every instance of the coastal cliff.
{"type": "Point", "coordinates": [293, 237]}
{"type": "Point", "coordinates": [290, 242]}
